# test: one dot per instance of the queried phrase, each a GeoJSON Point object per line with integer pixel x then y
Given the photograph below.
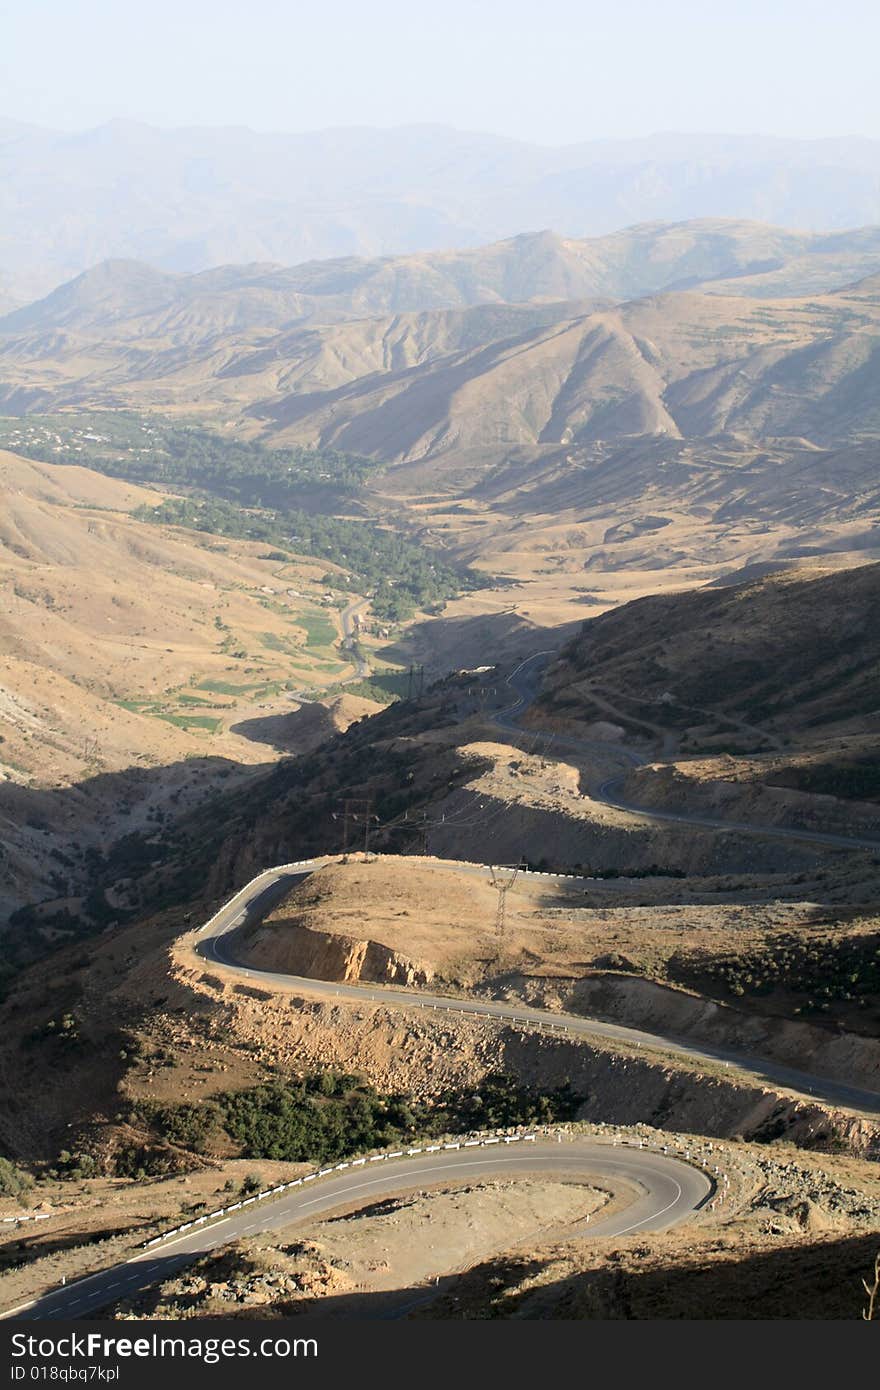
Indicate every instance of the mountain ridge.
{"type": "Point", "coordinates": [510, 345]}
{"type": "Point", "coordinates": [202, 197]}
{"type": "Point", "coordinates": [647, 258]}
{"type": "Point", "coordinates": [681, 365]}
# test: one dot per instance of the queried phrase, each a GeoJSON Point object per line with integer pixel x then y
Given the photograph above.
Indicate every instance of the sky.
{"type": "Point", "coordinates": [547, 71]}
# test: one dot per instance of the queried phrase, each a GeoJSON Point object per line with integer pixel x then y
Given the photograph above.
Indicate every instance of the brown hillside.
{"type": "Point", "coordinates": [791, 652]}
{"type": "Point", "coordinates": [514, 344]}
{"type": "Point", "coordinates": [681, 365]}
{"type": "Point", "coordinates": [133, 651]}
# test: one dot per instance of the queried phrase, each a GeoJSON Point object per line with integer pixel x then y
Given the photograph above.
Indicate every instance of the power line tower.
{"type": "Point", "coordinates": [504, 876]}
{"type": "Point", "coordinates": [415, 685]}
{"type": "Point", "coordinates": [368, 821]}
{"type": "Point", "coordinates": [356, 810]}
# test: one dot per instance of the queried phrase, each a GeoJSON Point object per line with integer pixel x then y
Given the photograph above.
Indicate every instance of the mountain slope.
{"type": "Point", "coordinates": [201, 362]}
{"type": "Point", "coordinates": [731, 413]}
{"type": "Point", "coordinates": [796, 653]}
{"type": "Point", "coordinates": [486, 378]}
{"type": "Point", "coordinates": [722, 255]}
{"type": "Point", "coordinates": [680, 365]}
{"type": "Point", "coordinates": [141, 667]}
{"type": "Point", "coordinates": [256, 335]}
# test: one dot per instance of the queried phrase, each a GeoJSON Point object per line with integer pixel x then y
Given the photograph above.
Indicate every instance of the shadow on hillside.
{"type": "Point", "coordinates": [820, 1280]}
{"type": "Point", "coordinates": [38, 808]}
{"type": "Point", "coordinates": [297, 731]}
{"type": "Point", "coordinates": [451, 644]}
{"type": "Point", "coordinates": [65, 845]}
{"type": "Point", "coordinates": [639, 888]}
{"type": "Point", "coordinates": [70, 844]}
{"type": "Point", "coordinates": [25, 1246]}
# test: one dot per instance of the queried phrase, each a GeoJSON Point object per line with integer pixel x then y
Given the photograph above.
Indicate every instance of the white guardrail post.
{"type": "Point", "coordinates": [279, 1188]}
{"type": "Point", "coordinates": [486, 1140]}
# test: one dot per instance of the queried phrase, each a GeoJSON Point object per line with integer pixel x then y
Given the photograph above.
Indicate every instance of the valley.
{"type": "Point", "coordinates": [438, 702]}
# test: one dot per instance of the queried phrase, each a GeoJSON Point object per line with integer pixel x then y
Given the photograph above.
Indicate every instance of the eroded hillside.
{"type": "Point", "coordinates": [760, 666]}
{"type": "Point", "coordinates": [142, 668]}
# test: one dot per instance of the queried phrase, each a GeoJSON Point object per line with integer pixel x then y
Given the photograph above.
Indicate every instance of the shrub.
{"type": "Point", "coordinates": [821, 969]}
{"type": "Point", "coordinates": [71, 1166]}
{"type": "Point", "coordinates": [13, 1182]}
{"type": "Point", "coordinates": [328, 1116]}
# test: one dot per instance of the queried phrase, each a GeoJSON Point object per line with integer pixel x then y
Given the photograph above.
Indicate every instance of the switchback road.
{"type": "Point", "coordinates": [216, 943]}
{"type": "Point", "coordinates": [668, 1191]}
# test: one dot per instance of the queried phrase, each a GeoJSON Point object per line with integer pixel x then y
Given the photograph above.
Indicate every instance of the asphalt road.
{"type": "Point", "coordinates": [216, 944]}
{"type": "Point", "coordinates": [362, 669]}
{"type": "Point", "coordinates": [670, 1190]}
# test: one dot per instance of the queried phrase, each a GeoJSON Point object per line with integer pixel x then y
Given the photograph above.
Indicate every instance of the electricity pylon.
{"type": "Point", "coordinates": [503, 878]}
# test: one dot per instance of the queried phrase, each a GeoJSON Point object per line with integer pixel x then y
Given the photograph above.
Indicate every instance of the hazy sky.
{"type": "Point", "coordinates": [552, 71]}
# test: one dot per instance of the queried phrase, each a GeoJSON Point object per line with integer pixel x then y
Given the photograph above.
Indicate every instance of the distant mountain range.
{"type": "Point", "coordinates": [712, 255]}
{"type": "Point", "coordinates": [574, 381]}
{"type": "Point", "coordinates": [192, 199]}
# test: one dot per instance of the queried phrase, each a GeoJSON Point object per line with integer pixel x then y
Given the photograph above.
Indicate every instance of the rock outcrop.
{"type": "Point", "coordinates": [293, 949]}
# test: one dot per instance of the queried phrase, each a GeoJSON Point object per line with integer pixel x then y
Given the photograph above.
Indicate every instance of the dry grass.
{"type": "Point", "coordinates": [446, 920]}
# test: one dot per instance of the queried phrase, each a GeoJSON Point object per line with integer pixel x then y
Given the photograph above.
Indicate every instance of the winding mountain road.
{"type": "Point", "coordinates": [216, 943]}
{"type": "Point", "coordinates": [349, 635]}
{"type": "Point", "coordinates": [668, 1191]}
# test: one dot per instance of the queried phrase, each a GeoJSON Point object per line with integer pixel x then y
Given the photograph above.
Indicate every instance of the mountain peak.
{"type": "Point", "coordinates": [98, 295]}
